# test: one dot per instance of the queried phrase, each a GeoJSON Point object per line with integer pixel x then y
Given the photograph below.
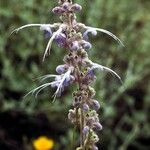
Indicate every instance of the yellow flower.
{"type": "Point", "coordinates": [43, 143]}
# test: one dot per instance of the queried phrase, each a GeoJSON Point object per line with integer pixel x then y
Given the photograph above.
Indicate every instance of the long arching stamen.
{"type": "Point", "coordinates": [38, 88]}
{"type": "Point", "coordinates": [50, 42]}
{"type": "Point", "coordinates": [97, 66]}
{"type": "Point", "coordinates": [42, 78]}
{"type": "Point", "coordinates": [106, 32]}
{"type": "Point", "coordinates": [67, 74]}
{"type": "Point", "coordinates": [30, 25]}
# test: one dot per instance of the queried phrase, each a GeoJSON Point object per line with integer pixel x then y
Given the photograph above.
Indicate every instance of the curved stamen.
{"type": "Point", "coordinates": [42, 78]}
{"type": "Point", "coordinates": [50, 42]}
{"type": "Point", "coordinates": [106, 32]}
{"type": "Point", "coordinates": [66, 75]}
{"type": "Point", "coordinates": [97, 66]}
{"type": "Point", "coordinates": [39, 88]}
{"type": "Point", "coordinates": [30, 25]}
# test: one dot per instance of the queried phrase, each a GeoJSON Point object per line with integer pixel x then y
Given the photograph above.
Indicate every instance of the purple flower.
{"type": "Point", "coordinates": [91, 73]}
{"type": "Point", "coordinates": [66, 6]}
{"type": "Point", "coordinates": [47, 30]}
{"type": "Point", "coordinates": [63, 81]}
{"type": "Point", "coordinates": [68, 80]}
{"type": "Point", "coordinates": [97, 126]}
{"type": "Point", "coordinates": [60, 69]}
{"type": "Point", "coordinates": [58, 10]}
{"type": "Point", "coordinates": [75, 46]}
{"type": "Point", "coordinates": [60, 39]}
{"type": "Point", "coordinates": [86, 130]}
{"type": "Point", "coordinates": [60, 82]}
{"type": "Point", "coordinates": [76, 8]}
{"type": "Point", "coordinates": [85, 107]}
{"type": "Point", "coordinates": [95, 105]}
{"type": "Point", "coordinates": [90, 30]}
{"type": "Point", "coordinates": [86, 45]}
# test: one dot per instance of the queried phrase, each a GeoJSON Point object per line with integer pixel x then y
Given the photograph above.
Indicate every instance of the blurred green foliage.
{"type": "Point", "coordinates": [124, 107]}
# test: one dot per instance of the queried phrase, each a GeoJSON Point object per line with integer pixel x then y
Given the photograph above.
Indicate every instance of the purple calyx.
{"type": "Point", "coordinates": [76, 7]}
{"type": "Point", "coordinates": [58, 10]}
{"type": "Point", "coordinates": [86, 45]}
{"type": "Point", "coordinates": [97, 126]}
{"type": "Point", "coordinates": [86, 130]}
{"type": "Point", "coordinates": [95, 104]}
{"type": "Point", "coordinates": [47, 31]}
{"type": "Point", "coordinates": [60, 39]}
{"type": "Point", "coordinates": [61, 69]}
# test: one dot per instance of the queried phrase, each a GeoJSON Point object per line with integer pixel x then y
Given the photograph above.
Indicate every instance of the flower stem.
{"type": "Point", "coordinates": [81, 128]}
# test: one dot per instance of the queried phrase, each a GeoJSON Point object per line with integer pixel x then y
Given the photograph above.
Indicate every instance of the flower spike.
{"type": "Point", "coordinates": [106, 32]}
{"type": "Point", "coordinates": [76, 68]}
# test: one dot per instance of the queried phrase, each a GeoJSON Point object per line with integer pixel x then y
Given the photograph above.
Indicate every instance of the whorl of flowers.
{"type": "Point", "coordinates": [77, 69]}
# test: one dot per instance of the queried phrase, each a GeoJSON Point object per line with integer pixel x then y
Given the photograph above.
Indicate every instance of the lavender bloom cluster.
{"type": "Point", "coordinates": [76, 69]}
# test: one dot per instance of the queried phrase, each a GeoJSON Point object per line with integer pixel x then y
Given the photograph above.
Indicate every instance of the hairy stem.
{"type": "Point", "coordinates": [81, 128]}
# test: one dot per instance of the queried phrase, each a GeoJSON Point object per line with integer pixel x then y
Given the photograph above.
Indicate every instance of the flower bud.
{"type": "Point", "coordinates": [76, 8]}
{"type": "Point", "coordinates": [95, 105]}
{"type": "Point", "coordinates": [58, 10]}
{"type": "Point", "coordinates": [60, 69]}
{"type": "Point", "coordinates": [86, 45]}
{"type": "Point", "coordinates": [47, 30]}
{"type": "Point", "coordinates": [97, 126]}
{"type": "Point", "coordinates": [66, 6]}
{"type": "Point", "coordinates": [86, 130]}
{"type": "Point", "coordinates": [85, 107]}
{"type": "Point", "coordinates": [60, 39]}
